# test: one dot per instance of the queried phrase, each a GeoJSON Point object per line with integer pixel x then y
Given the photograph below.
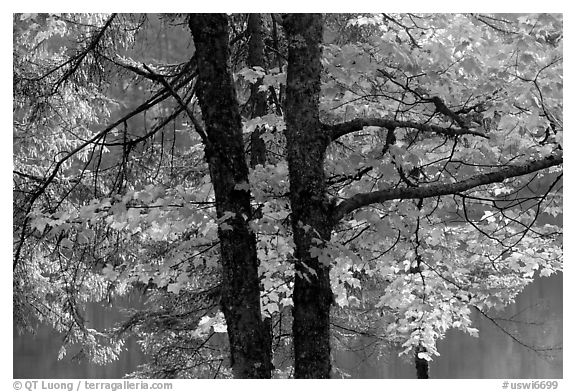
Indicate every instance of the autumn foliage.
{"type": "Point", "coordinates": [256, 178]}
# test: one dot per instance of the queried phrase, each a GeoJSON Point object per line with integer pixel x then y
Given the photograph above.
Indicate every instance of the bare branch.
{"type": "Point", "coordinates": [406, 29]}
{"type": "Point", "coordinates": [338, 130]}
{"type": "Point", "coordinates": [199, 128]}
{"type": "Point", "coordinates": [538, 350]}
{"type": "Point", "coordinates": [364, 199]}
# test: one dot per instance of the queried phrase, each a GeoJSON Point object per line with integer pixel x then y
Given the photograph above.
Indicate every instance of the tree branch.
{"type": "Point", "coordinates": [338, 130]}
{"type": "Point", "coordinates": [199, 128]}
{"type": "Point", "coordinates": [364, 199]}
{"type": "Point", "coordinates": [537, 350]}
{"type": "Point", "coordinates": [78, 58]}
{"type": "Point", "coordinates": [154, 100]}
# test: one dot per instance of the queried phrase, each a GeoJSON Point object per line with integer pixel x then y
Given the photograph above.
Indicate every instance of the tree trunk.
{"type": "Point", "coordinates": [224, 152]}
{"type": "Point", "coordinates": [422, 367]}
{"type": "Point", "coordinates": [257, 101]}
{"type": "Point", "coordinates": [306, 145]}
{"type": "Point", "coordinates": [258, 108]}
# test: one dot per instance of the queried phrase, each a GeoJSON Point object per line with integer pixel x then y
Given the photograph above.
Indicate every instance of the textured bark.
{"type": "Point", "coordinates": [226, 159]}
{"type": "Point", "coordinates": [258, 108]}
{"type": "Point", "coordinates": [306, 147]}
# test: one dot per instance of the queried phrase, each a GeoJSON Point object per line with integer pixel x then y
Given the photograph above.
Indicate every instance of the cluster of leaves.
{"type": "Point", "coordinates": [437, 259]}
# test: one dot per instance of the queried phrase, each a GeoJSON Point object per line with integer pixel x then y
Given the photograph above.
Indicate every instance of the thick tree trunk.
{"type": "Point", "coordinates": [228, 169]}
{"type": "Point", "coordinates": [306, 147]}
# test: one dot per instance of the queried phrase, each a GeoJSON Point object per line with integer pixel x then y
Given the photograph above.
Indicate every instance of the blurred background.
{"type": "Point", "coordinates": [535, 320]}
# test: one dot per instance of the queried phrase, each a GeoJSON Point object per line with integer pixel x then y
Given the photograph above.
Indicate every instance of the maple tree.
{"type": "Point", "coordinates": [390, 172]}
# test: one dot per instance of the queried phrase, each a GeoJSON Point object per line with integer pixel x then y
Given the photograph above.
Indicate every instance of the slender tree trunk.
{"type": "Point", "coordinates": [279, 62]}
{"type": "Point", "coordinates": [224, 151]}
{"type": "Point", "coordinates": [422, 367]}
{"type": "Point", "coordinates": [306, 147]}
{"type": "Point", "coordinates": [258, 108]}
{"type": "Point", "coordinates": [257, 98]}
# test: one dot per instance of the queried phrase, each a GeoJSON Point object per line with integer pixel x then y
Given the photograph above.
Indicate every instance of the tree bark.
{"type": "Point", "coordinates": [258, 108]}
{"type": "Point", "coordinates": [224, 152]}
{"type": "Point", "coordinates": [306, 144]}
{"type": "Point", "coordinates": [257, 101]}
